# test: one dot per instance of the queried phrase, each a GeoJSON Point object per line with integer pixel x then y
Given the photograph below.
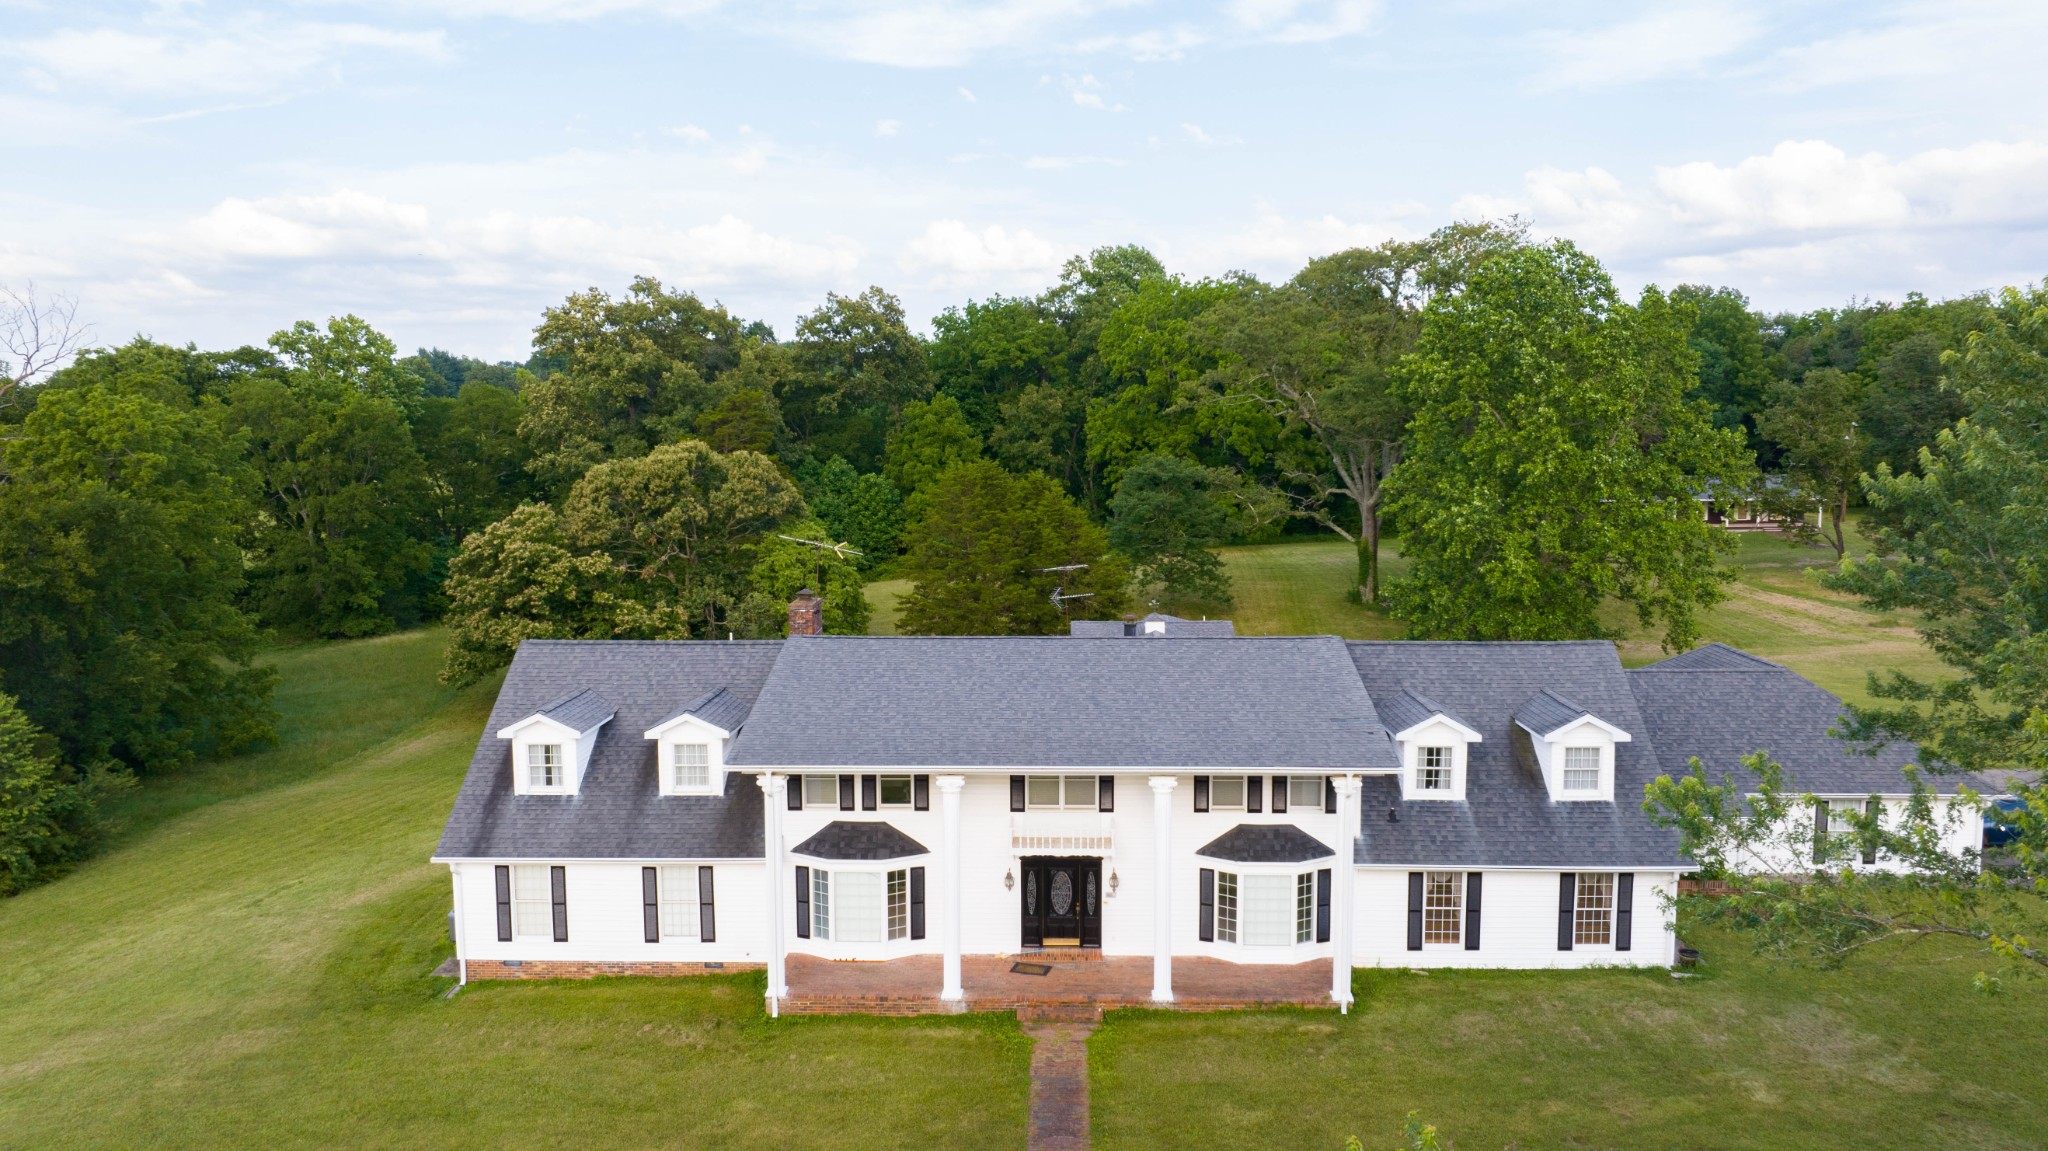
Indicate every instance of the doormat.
{"type": "Point", "coordinates": [1031, 969]}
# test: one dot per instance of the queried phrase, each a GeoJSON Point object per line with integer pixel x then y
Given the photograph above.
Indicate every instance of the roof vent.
{"type": "Point", "coordinates": [1393, 815]}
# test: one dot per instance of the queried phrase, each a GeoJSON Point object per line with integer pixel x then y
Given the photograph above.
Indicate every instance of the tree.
{"type": "Point", "coordinates": [37, 333]}
{"type": "Point", "coordinates": [865, 511]}
{"type": "Point", "coordinates": [49, 815]}
{"type": "Point", "coordinates": [474, 457]}
{"type": "Point", "coordinates": [120, 632]}
{"type": "Point", "coordinates": [1165, 518]}
{"type": "Point", "coordinates": [521, 579]}
{"type": "Point", "coordinates": [1555, 460]}
{"type": "Point", "coordinates": [629, 373]}
{"type": "Point", "coordinates": [746, 420]}
{"type": "Point", "coordinates": [857, 364]}
{"type": "Point", "coordinates": [1813, 423]}
{"type": "Point", "coordinates": [1728, 338]}
{"type": "Point", "coordinates": [931, 437]}
{"type": "Point", "coordinates": [783, 567]}
{"type": "Point", "coordinates": [978, 558]}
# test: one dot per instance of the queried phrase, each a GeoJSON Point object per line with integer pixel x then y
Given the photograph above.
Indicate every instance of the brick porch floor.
{"type": "Point", "coordinates": [911, 986]}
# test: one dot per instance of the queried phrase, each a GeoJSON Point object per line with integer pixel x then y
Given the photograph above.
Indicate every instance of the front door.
{"type": "Point", "coordinates": [1061, 902]}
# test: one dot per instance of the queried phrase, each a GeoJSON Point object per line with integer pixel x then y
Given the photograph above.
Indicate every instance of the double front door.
{"type": "Point", "coordinates": [1061, 902]}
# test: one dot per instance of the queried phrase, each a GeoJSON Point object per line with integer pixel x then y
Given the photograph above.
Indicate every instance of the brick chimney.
{"type": "Point", "coordinates": [807, 614]}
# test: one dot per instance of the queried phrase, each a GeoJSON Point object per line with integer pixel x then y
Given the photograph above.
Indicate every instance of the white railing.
{"type": "Point", "coordinates": [1041, 832]}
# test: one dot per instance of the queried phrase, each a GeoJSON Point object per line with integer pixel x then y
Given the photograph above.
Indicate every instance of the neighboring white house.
{"type": "Point", "coordinates": [657, 807]}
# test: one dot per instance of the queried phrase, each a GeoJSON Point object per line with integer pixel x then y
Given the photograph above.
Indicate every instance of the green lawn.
{"type": "Point", "coordinates": [1898, 1053]}
{"type": "Point", "coordinates": [252, 972]}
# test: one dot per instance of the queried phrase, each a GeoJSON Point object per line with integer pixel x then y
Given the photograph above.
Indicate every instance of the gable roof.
{"type": "Point", "coordinates": [619, 811]}
{"type": "Point", "coordinates": [1508, 818]}
{"type": "Point", "coordinates": [1716, 656]}
{"type": "Point", "coordinates": [1405, 709]}
{"type": "Point", "coordinates": [867, 840]}
{"type": "Point", "coordinates": [1267, 703]}
{"type": "Point", "coordinates": [577, 711]}
{"type": "Point", "coordinates": [1546, 712]}
{"type": "Point", "coordinates": [717, 707]}
{"type": "Point", "coordinates": [1266, 843]}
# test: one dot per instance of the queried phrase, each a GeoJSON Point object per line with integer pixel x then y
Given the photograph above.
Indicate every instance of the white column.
{"type": "Point", "coordinates": [1162, 890]}
{"type": "Point", "coordinates": [774, 797]}
{"type": "Point", "coordinates": [1342, 879]}
{"type": "Point", "coordinates": [951, 989]}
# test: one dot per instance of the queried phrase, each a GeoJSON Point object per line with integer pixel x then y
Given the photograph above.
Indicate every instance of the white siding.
{"type": "Point", "coordinates": [1962, 830]}
{"type": "Point", "coordinates": [605, 921]}
{"type": "Point", "coordinates": [1517, 924]}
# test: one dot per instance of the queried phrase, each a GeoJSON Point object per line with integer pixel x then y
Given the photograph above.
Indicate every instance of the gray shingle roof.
{"type": "Point", "coordinates": [1404, 709]}
{"type": "Point", "coordinates": [718, 707]}
{"type": "Point", "coordinates": [1721, 709]}
{"type": "Point", "coordinates": [578, 711]}
{"type": "Point", "coordinates": [1546, 711]}
{"type": "Point", "coordinates": [620, 812]}
{"type": "Point", "coordinates": [1266, 843]}
{"type": "Point", "coordinates": [1716, 657]}
{"type": "Point", "coordinates": [846, 839]}
{"type": "Point", "coordinates": [1175, 626]}
{"type": "Point", "coordinates": [1508, 819]}
{"type": "Point", "coordinates": [1267, 703]}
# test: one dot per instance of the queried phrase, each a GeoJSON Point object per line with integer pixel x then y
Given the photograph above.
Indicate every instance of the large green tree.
{"type": "Point", "coordinates": [1728, 338]}
{"type": "Point", "coordinates": [1555, 458]}
{"type": "Point", "coordinates": [49, 814]}
{"type": "Point", "coordinates": [865, 511]}
{"type": "Point", "coordinates": [783, 567]}
{"type": "Point", "coordinates": [1813, 423]}
{"type": "Point", "coordinates": [474, 457]}
{"type": "Point", "coordinates": [1167, 518]}
{"type": "Point", "coordinates": [983, 559]}
{"type": "Point", "coordinates": [857, 363]}
{"type": "Point", "coordinates": [931, 437]}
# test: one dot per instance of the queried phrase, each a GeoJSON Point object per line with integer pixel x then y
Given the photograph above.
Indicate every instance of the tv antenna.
{"type": "Point", "coordinates": [840, 550]}
{"type": "Point", "coordinates": [1060, 597]}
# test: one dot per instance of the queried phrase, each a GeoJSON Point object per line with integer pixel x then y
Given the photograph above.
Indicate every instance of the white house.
{"type": "Point", "coordinates": [1161, 792]}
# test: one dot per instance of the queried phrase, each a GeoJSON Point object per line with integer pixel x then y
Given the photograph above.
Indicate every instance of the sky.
{"type": "Point", "coordinates": [210, 172]}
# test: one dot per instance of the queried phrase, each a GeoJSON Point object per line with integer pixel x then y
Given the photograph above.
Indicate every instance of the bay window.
{"type": "Point", "coordinates": [860, 906]}
{"type": "Point", "coordinates": [1265, 909]}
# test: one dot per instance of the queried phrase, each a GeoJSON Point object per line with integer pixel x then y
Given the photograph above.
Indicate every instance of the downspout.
{"type": "Point", "coordinates": [461, 931]}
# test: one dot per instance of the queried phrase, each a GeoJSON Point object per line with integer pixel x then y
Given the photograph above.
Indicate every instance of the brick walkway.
{"type": "Point", "coordinates": [1059, 1077]}
{"type": "Point", "coordinates": [911, 986]}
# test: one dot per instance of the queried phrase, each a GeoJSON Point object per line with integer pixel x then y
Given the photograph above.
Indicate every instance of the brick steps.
{"type": "Point", "coordinates": [1082, 1008]}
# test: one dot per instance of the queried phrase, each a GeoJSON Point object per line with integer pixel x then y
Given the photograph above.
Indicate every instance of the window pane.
{"type": "Point", "coordinates": [857, 913]}
{"type": "Point", "coordinates": [821, 790]}
{"type": "Point", "coordinates": [1226, 792]}
{"type": "Point", "coordinates": [1305, 907]}
{"type": "Point", "coordinates": [1080, 791]}
{"type": "Point", "coordinates": [678, 891]}
{"type": "Point", "coordinates": [692, 772]}
{"type": "Point", "coordinates": [693, 753]}
{"type": "Point", "coordinates": [1267, 909]}
{"type": "Point", "coordinates": [1042, 791]}
{"type": "Point", "coordinates": [1582, 779]}
{"type": "Point", "coordinates": [544, 764]}
{"type": "Point", "coordinates": [1443, 906]}
{"type": "Point", "coordinates": [899, 905]}
{"type": "Point", "coordinates": [1432, 769]}
{"type": "Point", "coordinates": [1582, 757]}
{"type": "Point", "coordinates": [533, 904]}
{"type": "Point", "coordinates": [1433, 756]}
{"type": "Point", "coordinates": [1593, 921]}
{"type": "Point", "coordinates": [1304, 791]}
{"type": "Point", "coordinates": [1226, 907]}
{"type": "Point", "coordinates": [821, 904]}
{"type": "Point", "coordinates": [895, 791]}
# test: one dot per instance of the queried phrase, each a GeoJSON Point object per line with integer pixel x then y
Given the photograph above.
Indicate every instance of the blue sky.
{"type": "Point", "coordinates": [447, 168]}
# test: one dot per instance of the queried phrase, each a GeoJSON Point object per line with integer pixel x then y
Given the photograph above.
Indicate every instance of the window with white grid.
{"type": "Point", "coordinates": [821, 903]}
{"type": "Point", "coordinates": [1443, 907]}
{"type": "Point", "coordinates": [1305, 907]}
{"type": "Point", "coordinates": [1593, 916]}
{"type": "Point", "coordinates": [1226, 907]}
{"type": "Point", "coordinates": [1226, 793]}
{"type": "Point", "coordinates": [899, 904]}
{"type": "Point", "coordinates": [821, 790]}
{"type": "Point", "coordinates": [544, 765]}
{"type": "Point", "coordinates": [1432, 769]}
{"type": "Point", "coordinates": [533, 902]}
{"type": "Point", "coordinates": [678, 887]}
{"type": "Point", "coordinates": [693, 766]}
{"type": "Point", "coordinates": [1304, 791]}
{"type": "Point", "coordinates": [1582, 769]}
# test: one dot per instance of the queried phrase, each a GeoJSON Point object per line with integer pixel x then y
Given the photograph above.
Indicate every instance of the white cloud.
{"type": "Point", "coordinates": [690, 132]}
{"type": "Point", "coordinates": [888, 127]}
{"type": "Point", "coordinates": [967, 95]}
{"type": "Point", "coordinates": [951, 253]}
{"type": "Point", "coordinates": [242, 56]}
{"type": "Point", "coordinates": [1995, 41]}
{"type": "Point", "coordinates": [1680, 39]}
{"type": "Point", "coordinates": [1297, 22]}
{"type": "Point", "coordinates": [1276, 245]}
{"type": "Point", "coordinates": [1088, 92]}
{"type": "Point", "coordinates": [1194, 132]}
{"type": "Point", "coordinates": [1055, 163]}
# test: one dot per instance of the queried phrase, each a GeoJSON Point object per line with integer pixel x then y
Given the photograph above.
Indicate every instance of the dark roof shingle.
{"type": "Point", "coordinates": [846, 839]}
{"type": "Point", "coordinates": [1266, 843]}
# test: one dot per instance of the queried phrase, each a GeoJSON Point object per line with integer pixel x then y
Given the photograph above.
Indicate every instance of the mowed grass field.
{"type": "Point", "coordinates": [248, 967]}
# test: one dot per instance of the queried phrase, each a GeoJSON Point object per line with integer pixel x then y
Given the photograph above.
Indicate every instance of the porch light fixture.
{"type": "Point", "coordinates": [1009, 881]}
{"type": "Point", "coordinates": [1112, 882]}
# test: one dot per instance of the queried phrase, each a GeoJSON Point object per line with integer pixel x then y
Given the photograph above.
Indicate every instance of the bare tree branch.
{"type": "Point", "coordinates": [38, 334]}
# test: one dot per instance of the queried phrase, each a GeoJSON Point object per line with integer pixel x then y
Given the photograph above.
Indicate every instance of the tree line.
{"type": "Point", "coordinates": [653, 468]}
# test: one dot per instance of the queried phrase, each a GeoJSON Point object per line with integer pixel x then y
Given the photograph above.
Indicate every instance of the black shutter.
{"type": "Point", "coordinates": [1279, 795]}
{"type": "Point", "coordinates": [1624, 910]}
{"type": "Point", "coordinates": [1874, 808]}
{"type": "Point", "coordinates": [1205, 923]}
{"type": "Point", "coordinates": [1016, 793]}
{"type": "Point", "coordinates": [504, 904]}
{"type": "Point", "coordinates": [1201, 793]}
{"type": "Point", "coordinates": [1323, 905]}
{"type": "Point", "coordinates": [1820, 828]}
{"type": "Point", "coordinates": [867, 793]}
{"type": "Point", "coordinates": [707, 914]}
{"type": "Point", "coordinates": [917, 903]}
{"type": "Point", "coordinates": [1414, 911]}
{"type": "Point", "coordinates": [1254, 793]}
{"type": "Point", "coordinates": [558, 879]}
{"type": "Point", "coordinates": [1472, 910]}
{"type": "Point", "coordinates": [1105, 793]}
{"type": "Point", "coordinates": [846, 793]}
{"type": "Point", "coordinates": [1329, 795]}
{"type": "Point", "coordinates": [1567, 897]}
{"type": "Point", "coordinates": [803, 903]}
{"type": "Point", "coordinates": [650, 904]}
{"type": "Point", "coordinates": [920, 793]}
{"type": "Point", "coordinates": [796, 793]}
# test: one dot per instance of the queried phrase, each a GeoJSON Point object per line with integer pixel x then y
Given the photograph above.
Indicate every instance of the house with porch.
{"type": "Point", "coordinates": [1216, 818]}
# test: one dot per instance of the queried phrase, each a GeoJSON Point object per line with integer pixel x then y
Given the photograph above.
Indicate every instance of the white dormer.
{"type": "Point", "coordinates": [690, 745]}
{"type": "Point", "coordinates": [551, 748]}
{"type": "Point", "coordinates": [1574, 748]}
{"type": "Point", "coordinates": [1433, 746]}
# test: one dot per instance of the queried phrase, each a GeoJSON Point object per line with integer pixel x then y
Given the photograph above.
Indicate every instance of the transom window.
{"type": "Point", "coordinates": [821, 790]}
{"type": "Point", "coordinates": [1593, 915]}
{"type": "Point", "coordinates": [544, 765]}
{"type": "Point", "coordinates": [693, 766]}
{"type": "Point", "coordinates": [860, 906]}
{"type": "Point", "coordinates": [1060, 792]}
{"type": "Point", "coordinates": [1432, 769]}
{"type": "Point", "coordinates": [678, 889]}
{"type": "Point", "coordinates": [533, 902]}
{"type": "Point", "coordinates": [895, 791]}
{"type": "Point", "coordinates": [1265, 910]}
{"type": "Point", "coordinates": [1582, 769]}
{"type": "Point", "coordinates": [1226, 793]}
{"type": "Point", "coordinates": [1304, 791]}
{"type": "Point", "coordinates": [1443, 907]}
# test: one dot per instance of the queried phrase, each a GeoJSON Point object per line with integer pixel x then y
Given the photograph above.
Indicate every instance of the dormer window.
{"type": "Point", "coordinates": [692, 766]}
{"type": "Point", "coordinates": [1432, 769]}
{"type": "Point", "coordinates": [544, 766]}
{"type": "Point", "coordinates": [1435, 747]}
{"type": "Point", "coordinates": [1582, 769]}
{"type": "Point", "coordinates": [690, 745]}
{"type": "Point", "coordinates": [551, 747]}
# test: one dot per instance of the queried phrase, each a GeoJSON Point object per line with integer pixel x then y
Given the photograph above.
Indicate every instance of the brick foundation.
{"type": "Point", "coordinates": [587, 969]}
